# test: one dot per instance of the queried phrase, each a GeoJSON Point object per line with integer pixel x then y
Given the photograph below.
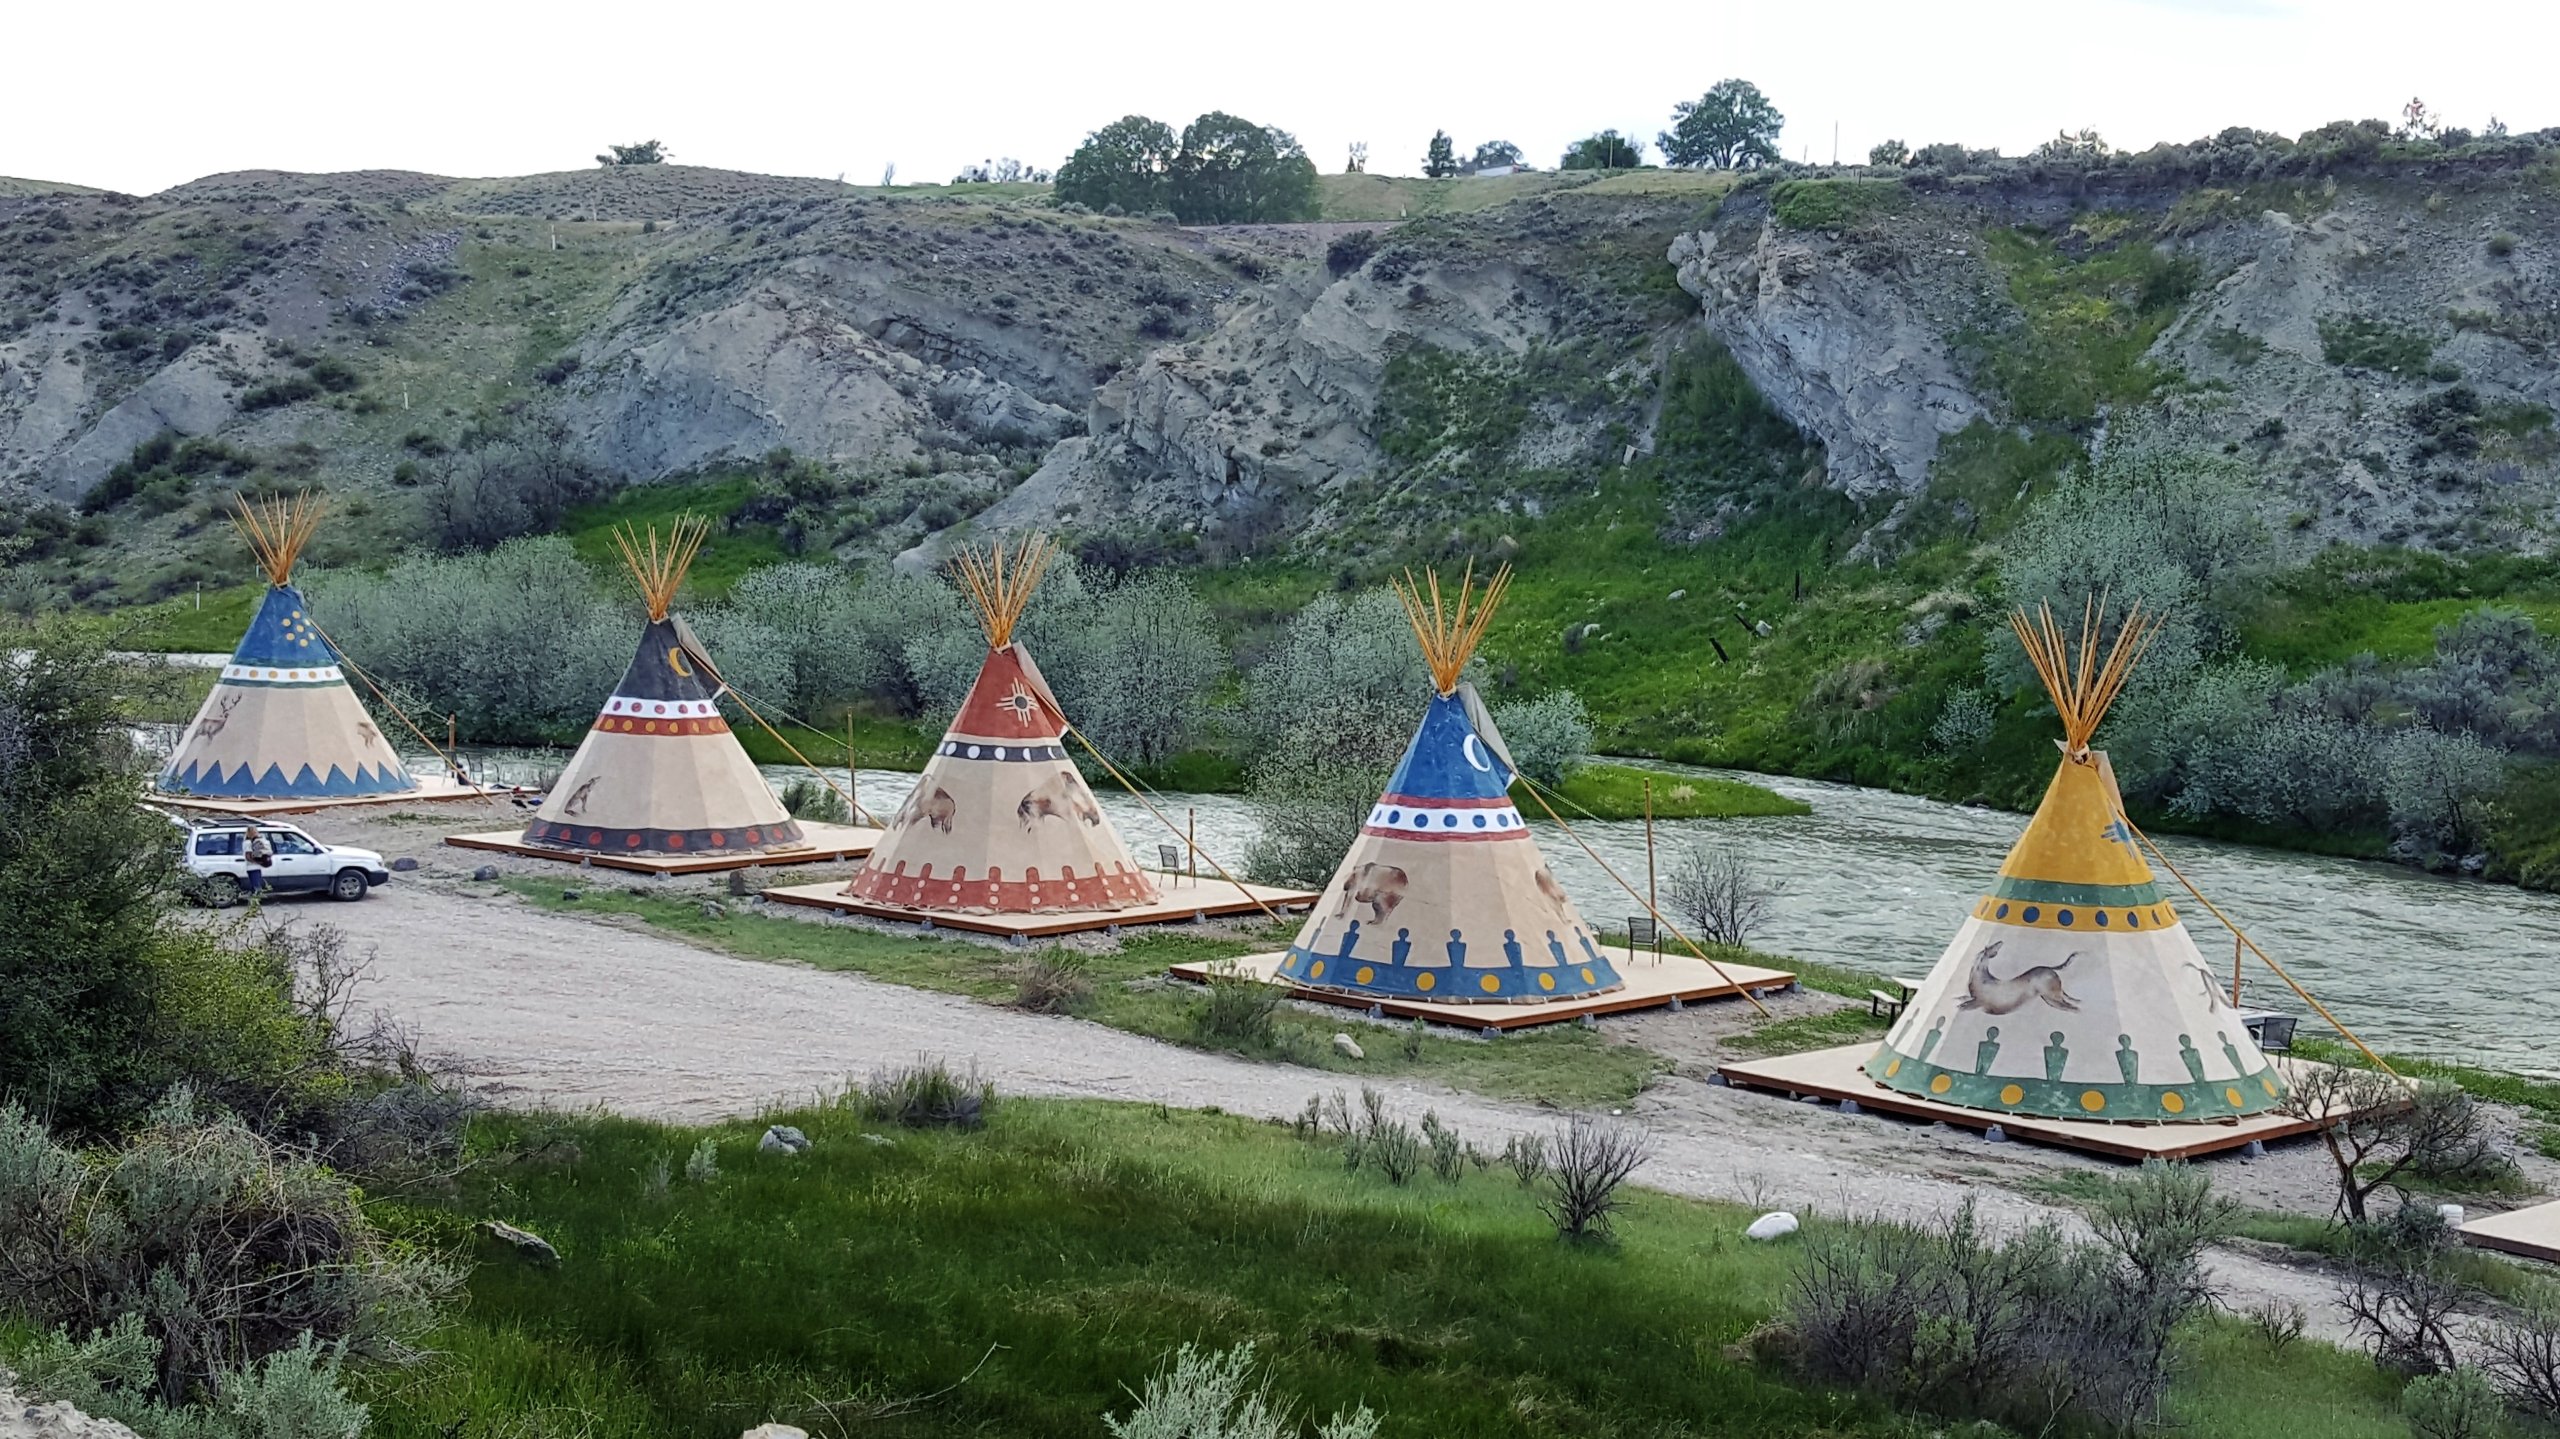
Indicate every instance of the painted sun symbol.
{"type": "Point", "coordinates": [1025, 709]}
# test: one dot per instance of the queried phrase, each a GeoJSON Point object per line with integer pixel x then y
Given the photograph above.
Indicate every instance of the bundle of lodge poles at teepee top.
{"type": "Point", "coordinates": [2083, 687]}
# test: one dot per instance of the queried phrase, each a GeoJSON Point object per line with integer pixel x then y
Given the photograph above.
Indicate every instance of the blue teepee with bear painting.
{"type": "Point", "coordinates": [1445, 897]}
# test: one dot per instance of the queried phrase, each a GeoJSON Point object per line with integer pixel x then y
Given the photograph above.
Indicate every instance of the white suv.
{"type": "Point", "coordinates": [303, 865]}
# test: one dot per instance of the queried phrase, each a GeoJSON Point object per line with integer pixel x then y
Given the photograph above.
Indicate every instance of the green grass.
{"type": "Point", "coordinates": [1022, 1279]}
{"type": "Point", "coordinates": [1556, 1064]}
{"type": "Point", "coordinates": [878, 743]}
{"type": "Point", "coordinates": [180, 627]}
{"type": "Point", "coordinates": [728, 557]}
{"type": "Point", "coordinates": [1808, 1031]}
{"type": "Point", "coordinates": [1617, 791]}
{"type": "Point", "coordinates": [1831, 204]}
{"type": "Point", "coordinates": [2094, 299]}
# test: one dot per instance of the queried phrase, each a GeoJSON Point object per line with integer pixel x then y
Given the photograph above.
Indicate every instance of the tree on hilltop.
{"type": "Point", "coordinates": [1891, 152]}
{"type": "Point", "coordinates": [1493, 155]}
{"type": "Point", "coordinates": [1358, 163]}
{"type": "Point", "coordinates": [1221, 170]}
{"type": "Point", "coordinates": [1732, 127]}
{"type": "Point", "coordinates": [647, 152]}
{"type": "Point", "coordinates": [1128, 163]}
{"type": "Point", "coordinates": [1231, 171]}
{"type": "Point", "coordinates": [2065, 145]}
{"type": "Point", "coordinates": [1607, 150]}
{"type": "Point", "coordinates": [1441, 160]}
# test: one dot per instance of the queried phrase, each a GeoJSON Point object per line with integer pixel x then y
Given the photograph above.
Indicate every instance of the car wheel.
{"type": "Point", "coordinates": [349, 885]}
{"type": "Point", "coordinates": [219, 891]}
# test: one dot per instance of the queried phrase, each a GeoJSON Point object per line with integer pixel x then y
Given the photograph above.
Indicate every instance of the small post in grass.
{"type": "Point", "coordinates": [1191, 841]}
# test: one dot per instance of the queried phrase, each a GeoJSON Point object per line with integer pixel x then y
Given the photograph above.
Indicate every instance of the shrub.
{"type": "Point", "coordinates": [1349, 252]}
{"type": "Point", "coordinates": [2362, 342]}
{"type": "Point", "coordinates": [2386, 1132]}
{"type": "Point", "coordinates": [927, 1095]}
{"type": "Point", "coordinates": [1965, 721]}
{"type": "Point", "coordinates": [2521, 1355]}
{"type": "Point", "coordinates": [2029, 1332]}
{"type": "Point", "coordinates": [277, 393]}
{"type": "Point", "coordinates": [228, 1249]}
{"type": "Point", "coordinates": [1592, 1160]}
{"type": "Point", "coordinates": [703, 1165]}
{"type": "Point", "coordinates": [810, 798]}
{"type": "Point", "coordinates": [1549, 737]}
{"type": "Point", "coordinates": [1527, 1156]}
{"type": "Point", "coordinates": [1242, 1008]}
{"type": "Point", "coordinates": [2459, 1404]}
{"type": "Point", "coordinates": [1204, 1395]}
{"type": "Point", "coordinates": [1320, 770]}
{"type": "Point", "coordinates": [1056, 980]}
{"type": "Point", "coordinates": [1448, 1151]}
{"type": "Point", "coordinates": [2401, 1292]}
{"type": "Point", "coordinates": [1396, 1150]}
{"type": "Point", "coordinates": [1723, 896]}
{"type": "Point", "coordinates": [295, 1393]}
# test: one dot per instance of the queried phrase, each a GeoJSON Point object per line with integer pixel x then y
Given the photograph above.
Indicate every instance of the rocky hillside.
{"type": "Point", "coordinates": [2380, 345]}
{"type": "Point", "coordinates": [2374, 332]}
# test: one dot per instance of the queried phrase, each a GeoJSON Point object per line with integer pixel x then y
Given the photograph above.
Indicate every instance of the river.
{"type": "Point", "coordinates": [2452, 968]}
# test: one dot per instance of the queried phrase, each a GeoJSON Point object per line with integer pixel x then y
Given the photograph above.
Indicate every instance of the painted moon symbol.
{"type": "Point", "coordinates": [1473, 749]}
{"type": "Point", "coordinates": [675, 660]}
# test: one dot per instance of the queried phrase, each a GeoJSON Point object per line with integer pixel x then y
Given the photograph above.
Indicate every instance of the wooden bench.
{"type": "Point", "coordinates": [1885, 1004]}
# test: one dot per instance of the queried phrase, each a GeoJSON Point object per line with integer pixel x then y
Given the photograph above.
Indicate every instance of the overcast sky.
{"type": "Point", "coordinates": [141, 96]}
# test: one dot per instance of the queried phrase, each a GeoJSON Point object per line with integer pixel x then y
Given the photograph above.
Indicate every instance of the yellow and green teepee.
{"type": "Point", "coordinates": [2073, 989]}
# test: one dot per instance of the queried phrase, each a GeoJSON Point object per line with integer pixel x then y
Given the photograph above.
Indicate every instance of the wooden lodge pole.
{"type": "Point", "coordinates": [2235, 971]}
{"type": "Point", "coordinates": [1191, 841]}
{"type": "Point", "coordinates": [1652, 898]}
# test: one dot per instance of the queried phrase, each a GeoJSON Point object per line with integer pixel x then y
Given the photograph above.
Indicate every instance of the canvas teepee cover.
{"type": "Point", "coordinates": [1000, 822]}
{"type": "Point", "coordinates": [281, 722]}
{"type": "Point", "coordinates": [2074, 990]}
{"type": "Point", "coordinates": [660, 773]}
{"type": "Point", "coordinates": [1444, 896]}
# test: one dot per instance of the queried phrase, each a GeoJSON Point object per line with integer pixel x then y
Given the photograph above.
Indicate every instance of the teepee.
{"type": "Point", "coordinates": [1000, 822]}
{"type": "Point", "coordinates": [281, 722]}
{"type": "Point", "coordinates": [660, 773]}
{"type": "Point", "coordinates": [1444, 896]}
{"type": "Point", "coordinates": [2073, 990]}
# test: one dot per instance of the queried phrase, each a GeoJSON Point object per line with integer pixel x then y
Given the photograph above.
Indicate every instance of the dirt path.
{"type": "Point", "coordinates": [546, 1009]}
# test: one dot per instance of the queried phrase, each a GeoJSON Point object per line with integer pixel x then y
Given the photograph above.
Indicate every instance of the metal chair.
{"type": "Point", "coordinates": [1642, 930]}
{"type": "Point", "coordinates": [1170, 857]}
{"type": "Point", "coordinates": [2273, 1032]}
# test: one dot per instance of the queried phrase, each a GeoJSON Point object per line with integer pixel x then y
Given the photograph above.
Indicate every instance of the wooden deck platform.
{"type": "Point", "coordinates": [1682, 979]}
{"type": "Point", "coordinates": [1834, 1074]}
{"type": "Point", "coordinates": [2532, 1233]}
{"type": "Point", "coordinates": [820, 843]}
{"type": "Point", "coordinates": [1182, 900]}
{"type": "Point", "coordinates": [435, 790]}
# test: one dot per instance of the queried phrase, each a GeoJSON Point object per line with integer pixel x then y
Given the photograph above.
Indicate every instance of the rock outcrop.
{"type": "Point", "coordinates": [1852, 344]}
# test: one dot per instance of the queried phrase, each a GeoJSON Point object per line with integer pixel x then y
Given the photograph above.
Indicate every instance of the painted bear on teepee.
{"type": "Point", "coordinates": [2074, 990]}
{"type": "Point", "coordinates": [1000, 822]}
{"type": "Point", "coordinates": [281, 722]}
{"type": "Point", "coordinates": [659, 773]}
{"type": "Point", "coordinates": [1445, 897]}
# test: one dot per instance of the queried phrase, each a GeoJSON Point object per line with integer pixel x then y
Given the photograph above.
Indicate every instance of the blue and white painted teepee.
{"type": "Point", "coordinates": [281, 723]}
{"type": "Point", "coordinates": [1445, 897]}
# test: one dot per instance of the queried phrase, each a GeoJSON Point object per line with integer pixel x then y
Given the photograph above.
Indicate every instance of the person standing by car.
{"type": "Point", "coordinates": [258, 854]}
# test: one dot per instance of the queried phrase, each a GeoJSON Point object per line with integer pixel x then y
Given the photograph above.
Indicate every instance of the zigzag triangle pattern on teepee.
{"type": "Point", "coordinates": [281, 721]}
